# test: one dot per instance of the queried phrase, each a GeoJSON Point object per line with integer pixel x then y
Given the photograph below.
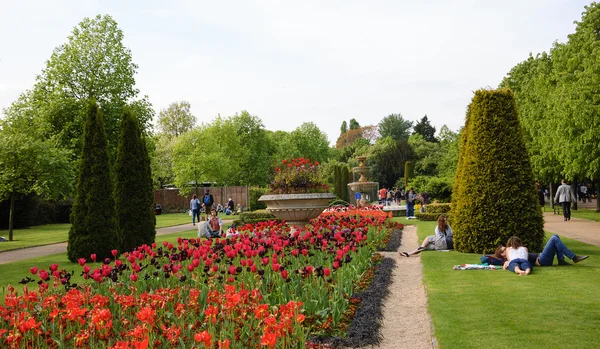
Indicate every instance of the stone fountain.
{"type": "Point", "coordinates": [367, 189]}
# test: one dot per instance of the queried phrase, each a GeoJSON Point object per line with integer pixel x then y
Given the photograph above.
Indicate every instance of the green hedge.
{"type": "Point", "coordinates": [429, 216]}
{"type": "Point", "coordinates": [254, 217]}
{"type": "Point", "coordinates": [255, 193]}
{"type": "Point", "coordinates": [438, 208]}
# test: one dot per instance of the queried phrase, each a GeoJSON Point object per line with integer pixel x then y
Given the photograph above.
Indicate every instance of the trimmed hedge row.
{"type": "Point", "coordinates": [430, 216]}
{"type": "Point", "coordinates": [438, 208]}
{"type": "Point", "coordinates": [254, 217]}
{"type": "Point", "coordinates": [30, 210]}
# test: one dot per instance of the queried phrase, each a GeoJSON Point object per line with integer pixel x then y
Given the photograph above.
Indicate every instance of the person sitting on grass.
{"type": "Point", "coordinates": [442, 240]}
{"type": "Point", "coordinates": [554, 247]}
{"type": "Point", "coordinates": [516, 257]}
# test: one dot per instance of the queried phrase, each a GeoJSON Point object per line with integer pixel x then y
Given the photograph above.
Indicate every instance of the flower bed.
{"type": "Point", "coordinates": [263, 288]}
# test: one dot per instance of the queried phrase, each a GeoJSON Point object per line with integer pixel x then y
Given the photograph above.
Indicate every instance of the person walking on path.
{"type": "Point", "coordinates": [208, 202]}
{"type": "Point", "coordinates": [195, 208]}
{"type": "Point", "coordinates": [564, 195]}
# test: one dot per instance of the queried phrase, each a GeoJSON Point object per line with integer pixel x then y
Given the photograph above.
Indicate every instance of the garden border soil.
{"type": "Point", "coordinates": [365, 328]}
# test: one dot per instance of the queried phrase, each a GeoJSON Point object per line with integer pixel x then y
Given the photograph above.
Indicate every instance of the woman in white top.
{"type": "Point", "coordinates": [516, 255]}
{"type": "Point", "coordinates": [442, 240]}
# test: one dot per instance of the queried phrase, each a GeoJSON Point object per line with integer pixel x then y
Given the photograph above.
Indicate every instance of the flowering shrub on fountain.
{"type": "Point", "coordinates": [263, 288]}
{"type": "Point", "coordinates": [298, 176]}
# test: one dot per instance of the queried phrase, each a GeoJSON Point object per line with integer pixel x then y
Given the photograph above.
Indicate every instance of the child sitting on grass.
{"type": "Point", "coordinates": [516, 255]}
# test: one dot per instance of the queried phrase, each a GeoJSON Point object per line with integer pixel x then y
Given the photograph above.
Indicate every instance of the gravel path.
{"type": "Point", "coordinates": [406, 321]}
{"type": "Point", "coordinates": [577, 228]}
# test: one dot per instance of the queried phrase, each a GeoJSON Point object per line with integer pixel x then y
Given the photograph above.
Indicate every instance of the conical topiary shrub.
{"type": "Point", "coordinates": [133, 191]}
{"type": "Point", "coordinates": [494, 193]}
{"type": "Point", "coordinates": [93, 217]}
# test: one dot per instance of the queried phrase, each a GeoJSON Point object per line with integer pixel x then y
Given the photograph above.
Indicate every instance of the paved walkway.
{"type": "Point", "coordinates": [39, 251]}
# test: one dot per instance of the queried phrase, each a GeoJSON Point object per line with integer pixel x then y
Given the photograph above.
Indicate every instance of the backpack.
{"type": "Point", "coordinates": [207, 199]}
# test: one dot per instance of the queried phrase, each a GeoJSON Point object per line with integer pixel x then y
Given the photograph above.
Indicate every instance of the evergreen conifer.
{"type": "Point", "coordinates": [494, 194]}
{"type": "Point", "coordinates": [133, 191]}
{"type": "Point", "coordinates": [94, 222]}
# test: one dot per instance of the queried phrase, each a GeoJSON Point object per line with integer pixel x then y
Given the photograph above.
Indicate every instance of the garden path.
{"type": "Point", "coordinates": [583, 230]}
{"type": "Point", "coordinates": [406, 321]}
{"type": "Point", "coordinates": [40, 251]}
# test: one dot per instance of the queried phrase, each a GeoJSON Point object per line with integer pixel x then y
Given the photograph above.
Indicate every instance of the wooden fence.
{"type": "Point", "coordinates": [171, 201]}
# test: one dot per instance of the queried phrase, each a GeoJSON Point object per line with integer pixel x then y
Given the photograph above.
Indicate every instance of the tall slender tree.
{"type": "Point", "coordinates": [94, 224]}
{"type": "Point", "coordinates": [133, 193]}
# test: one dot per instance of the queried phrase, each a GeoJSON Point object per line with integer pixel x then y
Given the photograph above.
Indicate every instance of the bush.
{"type": "Point", "coordinates": [255, 193]}
{"type": "Point", "coordinates": [494, 193]}
{"type": "Point", "coordinates": [30, 210]}
{"type": "Point", "coordinates": [438, 188]}
{"type": "Point", "coordinates": [254, 217]}
{"type": "Point", "coordinates": [438, 208]}
{"type": "Point", "coordinates": [427, 216]}
{"type": "Point", "coordinates": [94, 228]}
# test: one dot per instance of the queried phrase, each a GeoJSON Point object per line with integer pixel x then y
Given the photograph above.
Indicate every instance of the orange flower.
{"type": "Point", "coordinates": [203, 337]}
{"type": "Point", "coordinates": [146, 315]}
{"type": "Point", "coordinates": [269, 338]}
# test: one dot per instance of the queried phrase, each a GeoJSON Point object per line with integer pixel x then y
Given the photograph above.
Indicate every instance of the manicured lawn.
{"type": "Point", "coordinates": [555, 307]}
{"type": "Point", "coordinates": [35, 236]}
{"type": "Point", "coordinates": [12, 273]}
{"type": "Point", "coordinates": [55, 233]}
{"type": "Point", "coordinates": [586, 214]}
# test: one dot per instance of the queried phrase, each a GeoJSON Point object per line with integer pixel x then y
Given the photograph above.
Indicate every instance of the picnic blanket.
{"type": "Point", "coordinates": [483, 266]}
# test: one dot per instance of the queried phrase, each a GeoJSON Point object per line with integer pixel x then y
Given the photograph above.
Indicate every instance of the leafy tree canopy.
{"type": "Point", "coordinates": [176, 119]}
{"type": "Point", "coordinates": [395, 127]}
{"type": "Point", "coordinates": [424, 128]}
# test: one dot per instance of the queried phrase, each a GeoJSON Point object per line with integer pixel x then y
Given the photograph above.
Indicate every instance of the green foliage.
{"type": "Point", "coordinates": [494, 194]}
{"type": "Point", "coordinates": [255, 151]}
{"type": "Point", "coordinates": [134, 193]}
{"type": "Point", "coordinates": [438, 208]}
{"type": "Point", "coordinates": [176, 119]}
{"type": "Point", "coordinates": [438, 188]}
{"type": "Point", "coordinates": [310, 142]}
{"type": "Point", "coordinates": [254, 217]}
{"type": "Point", "coordinates": [94, 64]}
{"type": "Point", "coordinates": [94, 219]}
{"type": "Point", "coordinates": [341, 180]}
{"type": "Point", "coordinates": [428, 216]}
{"type": "Point", "coordinates": [255, 193]}
{"type": "Point", "coordinates": [387, 158]}
{"type": "Point", "coordinates": [344, 127]}
{"type": "Point", "coordinates": [395, 127]}
{"type": "Point", "coordinates": [30, 165]}
{"type": "Point", "coordinates": [354, 124]}
{"type": "Point", "coordinates": [424, 128]}
{"type": "Point", "coordinates": [408, 173]}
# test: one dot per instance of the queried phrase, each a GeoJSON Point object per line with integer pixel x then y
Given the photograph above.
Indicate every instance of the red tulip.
{"type": "Point", "coordinates": [81, 261]}
{"type": "Point", "coordinates": [232, 270]}
{"type": "Point", "coordinates": [326, 271]}
{"type": "Point", "coordinates": [284, 274]}
{"type": "Point", "coordinates": [44, 275]}
{"type": "Point", "coordinates": [93, 257]}
{"type": "Point", "coordinates": [54, 267]}
{"type": "Point", "coordinates": [33, 270]}
{"type": "Point", "coordinates": [133, 277]}
{"type": "Point", "coordinates": [114, 253]}
{"type": "Point", "coordinates": [336, 264]}
{"type": "Point", "coordinates": [86, 269]}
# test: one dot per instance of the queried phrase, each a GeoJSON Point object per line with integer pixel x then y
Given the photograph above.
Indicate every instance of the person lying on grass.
{"type": "Point", "coordinates": [554, 247]}
{"type": "Point", "coordinates": [516, 257]}
{"type": "Point", "coordinates": [442, 240]}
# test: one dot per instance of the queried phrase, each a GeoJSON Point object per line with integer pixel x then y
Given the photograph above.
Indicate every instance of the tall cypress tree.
{"type": "Point", "coordinates": [93, 217]}
{"type": "Point", "coordinates": [134, 192]}
{"type": "Point", "coordinates": [494, 194]}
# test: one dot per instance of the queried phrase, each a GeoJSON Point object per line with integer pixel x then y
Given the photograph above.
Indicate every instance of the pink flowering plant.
{"type": "Point", "coordinates": [298, 176]}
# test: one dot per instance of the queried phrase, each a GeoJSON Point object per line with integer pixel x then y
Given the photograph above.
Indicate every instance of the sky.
{"type": "Point", "coordinates": [290, 62]}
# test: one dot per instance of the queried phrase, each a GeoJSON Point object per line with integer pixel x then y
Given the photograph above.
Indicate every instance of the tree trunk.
{"type": "Point", "coordinates": [598, 196]}
{"type": "Point", "coordinates": [11, 216]}
{"type": "Point", "coordinates": [574, 189]}
{"type": "Point", "coordinates": [551, 197]}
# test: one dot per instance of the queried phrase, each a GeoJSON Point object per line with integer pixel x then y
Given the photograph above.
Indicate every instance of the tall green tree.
{"type": "Point", "coordinates": [94, 221]}
{"type": "Point", "coordinates": [386, 158]}
{"type": "Point", "coordinates": [424, 128]}
{"type": "Point", "coordinates": [494, 193]}
{"type": "Point", "coordinates": [134, 193]}
{"type": "Point", "coordinates": [395, 126]}
{"type": "Point", "coordinates": [310, 142]}
{"type": "Point", "coordinates": [30, 165]}
{"type": "Point", "coordinates": [176, 119]}
{"type": "Point", "coordinates": [94, 63]}
{"type": "Point", "coordinates": [344, 127]}
{"type": "Point", "coordinates": [256, 150]}
{"type": "Point", "coordinates": [354, 124]}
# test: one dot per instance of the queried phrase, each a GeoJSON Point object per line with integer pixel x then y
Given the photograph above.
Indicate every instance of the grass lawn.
{"type": "Point", "coordinates": [12, 273]}
{"type": "Point", "coordinates": [555, 307]}
{"type": "Point", "coordinates": [55, 233]}
{"type": "Point", "coordinates": [586, 214]}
